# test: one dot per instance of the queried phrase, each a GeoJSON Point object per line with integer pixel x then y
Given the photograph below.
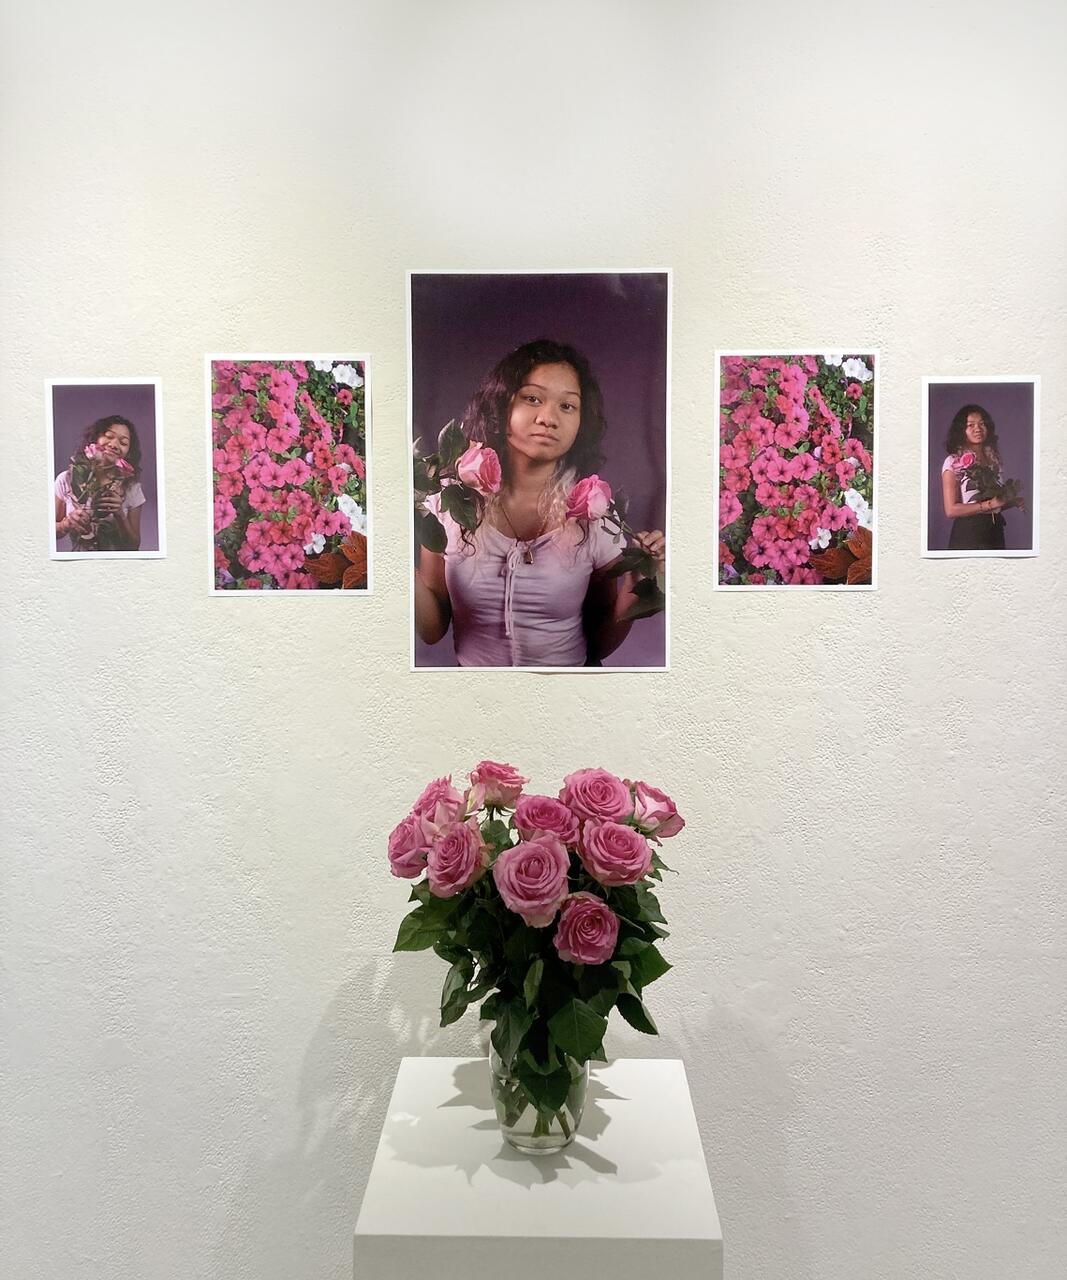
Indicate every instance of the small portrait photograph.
{"type": "Point", "coordinates": [540, 460]}
{"type": "Point", "coordinates": [105, 473]}
{"type": "Point", "coordinates": [796, 457]}
{"type": "Point", "coordinates": [289, 473]}
{"type": "Point", "coordinates": [979, 473]}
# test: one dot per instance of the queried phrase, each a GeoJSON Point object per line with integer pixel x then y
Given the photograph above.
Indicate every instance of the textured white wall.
{"type": "Point", "coordinates": [202, 1018]}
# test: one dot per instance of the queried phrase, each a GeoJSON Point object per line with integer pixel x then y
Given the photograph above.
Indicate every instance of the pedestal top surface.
{"type": "Point", "coordinates": [635, 1169]}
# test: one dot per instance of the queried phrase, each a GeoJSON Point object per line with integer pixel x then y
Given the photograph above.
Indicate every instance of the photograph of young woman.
{"type": "Point", "coordinates": [534, 583]}
{"type": "Point", "coordinates": [980, 464]}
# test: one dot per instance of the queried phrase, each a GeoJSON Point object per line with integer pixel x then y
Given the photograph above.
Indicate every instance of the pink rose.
{"type": "Point", "coordinates": [93, 451]}
{"type": "Point", "coordinates": [495, 784]}
{"type": "Point", "coordinates": [614, 854]}
{"type": "Point", "coordinates": [532, 878]}
{"type": "Point", "coordinates": [407, 849]}
{"type": "Point", "coordinates": [456, 859]}
{"type": "Point", "coordinates": [440, 792]}
{"type": "Point", "coordinates": [595, 793]}
{"type": "Point", "coordinates": [588, 930]}
{"type": "Point", "coordinates": [655, 812]}
{"type": "Point", "coordinates": [589, 499]}
{"type": "Point", "coordinates": [535, 814]}
{"type": "Point", "coordinates": [479, 468]}
{"type": "Point", "coordinates": [123, 467]}
{"type": "Point", "coordinates": [965, 459]}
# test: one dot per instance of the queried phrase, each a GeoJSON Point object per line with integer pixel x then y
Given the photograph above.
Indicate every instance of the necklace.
{"type": "Point", "coordinates": [527, 549]}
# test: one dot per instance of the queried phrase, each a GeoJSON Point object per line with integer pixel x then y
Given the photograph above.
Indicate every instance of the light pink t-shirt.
{"type": "Point", "coordinates": [506, 613]}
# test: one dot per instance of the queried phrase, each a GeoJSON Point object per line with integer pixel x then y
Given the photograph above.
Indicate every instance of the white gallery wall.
{"type": "Point", "coordinates": [202, 1018]}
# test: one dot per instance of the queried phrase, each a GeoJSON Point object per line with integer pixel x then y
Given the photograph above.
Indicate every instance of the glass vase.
{"type": "Point", "coordinates": [523, 1125]}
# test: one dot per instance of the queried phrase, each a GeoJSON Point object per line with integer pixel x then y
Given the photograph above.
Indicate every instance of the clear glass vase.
{"type": "Point", "coordinates": [523, 1125]}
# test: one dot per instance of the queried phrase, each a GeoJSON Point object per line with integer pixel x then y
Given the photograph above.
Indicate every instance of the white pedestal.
{"type": "Point", "coordinates": [448, 1199]}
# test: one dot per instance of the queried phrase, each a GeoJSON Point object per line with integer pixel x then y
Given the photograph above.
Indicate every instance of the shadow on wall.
{"type": "Point", "coordinates": [292, 1214]}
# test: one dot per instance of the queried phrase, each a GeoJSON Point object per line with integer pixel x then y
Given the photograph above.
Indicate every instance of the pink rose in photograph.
{"type": "Point", "coordinates": [479, 468]}
{"type": "Point", "coordinates": [965, 460]}
{"type": "Point", "coordinates": [589, 499]}
{"type": "Point", "coordinates": [285, 427]}
{"type": "Point", "coordinates": [498, 785]}
{"type": "Point", "coordinates": [536, 814]}
{"type": "Point", "coordinates": [595, 793]}
{"type": "Point", "coordinates": [614, 853]}
{"type": "Point", "coordinates": [655, 812]}
{"type": "Point", "coordinates": [407, 849]}
{"type": "Point", "coordinates": [588, 930]}
{"type": "Point", "coordinates": [456, 859]}
{"type": "Point", "coordinates": [796, 481]}
{"type": "Point", "coordinates": [531, 877]}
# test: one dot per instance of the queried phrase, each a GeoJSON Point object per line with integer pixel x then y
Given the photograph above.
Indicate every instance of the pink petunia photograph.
{"type": "Point", "coordinates": [795, 460]}
{"type": "Point", "coordinates": [289, 474]}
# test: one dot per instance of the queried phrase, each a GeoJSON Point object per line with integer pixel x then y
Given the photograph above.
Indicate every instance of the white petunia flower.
{"type": "Point", "coordinates": [821, 539]}
{"type": "Point", "coordinates": [833, 357]}
{"type": "Point", "coordinates": [323, 366]}
{"type": "Point", "coordinates": [353, 512]}
{"type": "Point", "coordinates": [346, 374]}
{"type": "Point", "coordinates": [855, 368]}
{"type": "Point", "coordinates": [316, 546]}
{"type": "Point", "coordinates": [864, 518]}
{"type": "Point", "coordinates": [854, 499]}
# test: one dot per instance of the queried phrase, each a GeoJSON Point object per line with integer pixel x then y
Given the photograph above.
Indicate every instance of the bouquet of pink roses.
{"type": "Point", "coordinates": [94, 474]}
{"type": "Point", "coordinates": [543, 908]}
{"type": "Point", "coordinates": [466, 474]}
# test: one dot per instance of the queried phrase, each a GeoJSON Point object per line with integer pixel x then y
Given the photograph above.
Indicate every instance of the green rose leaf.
{"type": "Point", "coordinates": [451, 444]}
{"type": "Point", "coordinates": [454, 998]}
{"type": "Point", "coordinates": [648, 904]}
{"type": "Point", "coordinates": [459, 502]}
{"type": "Point", "coordinates": [419, 930]}
{"type": "Point", "coordinates": [548, 1092]}
{"type": "Point", "coordinates": [430, 531]}
{"type": "Point", "coordinates": [577, 1029]}
{"type": "Point", "coordinates": [650, 600]}
{"type": "Point", "coordinates": [636, 1014]}
{"type": "Point", "coordinates": [647, 966]}
{"type": "Point", "coordinates": [513, 1020]}
{"type": "Point", "coordinates": [496, 834]}
{"type": "Point", "coordinates": [533, 982]}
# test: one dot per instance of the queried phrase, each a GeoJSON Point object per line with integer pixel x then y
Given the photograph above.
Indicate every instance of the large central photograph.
{"type": "Point", "coordinates": [538, 418]}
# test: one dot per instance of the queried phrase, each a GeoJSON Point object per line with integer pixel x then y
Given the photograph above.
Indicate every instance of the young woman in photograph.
{"type": "Point", "coordinates": [977, 524]}
{"type": "Point", "coordinates": [530, 587]}
{"type": "Point", "coordinates": [106, 516]}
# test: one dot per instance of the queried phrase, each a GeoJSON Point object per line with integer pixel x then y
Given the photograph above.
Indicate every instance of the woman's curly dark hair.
{"type": "Point", "coordinates": [956, 440]}
{"type": "Point", "coordinates": [96, 430]}
{"type": "Point", "coordinates": [486, 417]}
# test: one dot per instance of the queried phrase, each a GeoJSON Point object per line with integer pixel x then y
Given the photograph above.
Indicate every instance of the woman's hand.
{"type": "Point", "coordinates": [108, 502]}
{"type": "Point", "coordinates": [79, 521]}
{"type": "Point", "coordinates": [654, 543]}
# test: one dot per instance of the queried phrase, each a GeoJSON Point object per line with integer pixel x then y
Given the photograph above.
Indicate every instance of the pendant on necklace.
{"type": "Point", "coordinates": [527, 554]}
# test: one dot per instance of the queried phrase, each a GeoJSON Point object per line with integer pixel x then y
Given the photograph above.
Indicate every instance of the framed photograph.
{"type": "Point", "coordinates": [980, 466]}
{"type": "Point", "coordinates": [796, 460]}
{"type": "Point", "coordinates": [539, 426]}
{"type": "Point", "coordinates": [105, 468]}
{"type": "Point", "coordinates": [289, 466]}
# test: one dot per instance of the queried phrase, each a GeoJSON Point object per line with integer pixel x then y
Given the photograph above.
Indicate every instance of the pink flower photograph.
{"type": "Point", "coordinates": [289, 473]}
{"type": "Point", "coordinates": [796, 450]}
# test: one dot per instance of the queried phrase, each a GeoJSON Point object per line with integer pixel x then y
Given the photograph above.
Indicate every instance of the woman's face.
{"type": "Point", "coordinates": [115, 440]}
{"type": "Point", "coordinates": [976, 429]}
{"type": "Point", "coordinates": [546, 413]}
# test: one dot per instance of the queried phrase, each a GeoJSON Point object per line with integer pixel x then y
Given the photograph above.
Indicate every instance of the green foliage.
{"type": "Point", "coordinates": [430, 532]}
{"type": "Point", "coordinates": [451, 444]}
{"type": "Point", "coordinates": [513, 1020]}
{"type": "Point", "coordinates": [460, 503]}
{"type": "Point", "coordinates": [635, 1013]}
{"type": "Point", "coordinates": [577, 1029]}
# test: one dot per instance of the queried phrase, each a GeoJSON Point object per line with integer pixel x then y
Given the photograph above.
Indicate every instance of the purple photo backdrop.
{"type": "Point", "coordinates": [461, 325]}
{"type": "Point", "coordinates": [1011, 406]}
{"type": "Point", "coordinates": [76, 406]}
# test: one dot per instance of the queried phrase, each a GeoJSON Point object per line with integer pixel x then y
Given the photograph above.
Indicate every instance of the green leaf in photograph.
{"type": "Point", "coordinates": [451, 443]}
{"type": "Point", "coordinates": [650, 600]}
{"type": "Point", "coordinates": [636, 1014]}
{"type": "Point", "coordinates": [577, 1029]}
{"type": "Point", "coordinates": [459, 502]}
{"type": "Point", "coordinates": [513, 1020]}
{"type": "Point", "coordinates": [430, 532]}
